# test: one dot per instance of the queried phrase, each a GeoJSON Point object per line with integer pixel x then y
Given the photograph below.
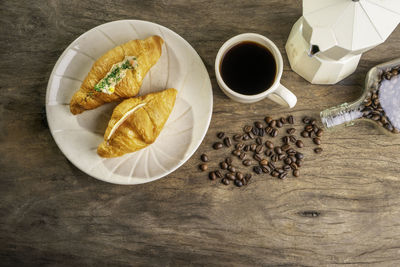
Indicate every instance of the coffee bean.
{"type": "Point", "coordinates": [376, 112]}
{"type": "Point", "coordinates": [236, 152]}
{"type": "Point", "coordinates": [274, 132]}
{"type": "Point", "coordinates": [245, 137]}
{"type": "Point", "coordinates": [261, 132]}
{"type": "Point", "coordinates": [253, 147]}
{"type": "Point", "coordinates": [291, 152]}
{"type": "Point", "coordinates": [274, 174]}
{"type": "Point", "coordinates": [366, 113]}
{"type": "Point", "coordinates": [318, 150]}
{"type": "Point", "coordinates": [258, 125]}
{"type": "Point", "coordinates": [231, 168]}
{"type": "Point", "coordinates": [299, 162]}
{"type": "Point", "coordinates": [239, 176]}
{"type": "Point", "coordinates": [375, 117]}
{"type": "Point", "coordinates": [254, 131]}
{"type": "Point", "coordinates": [259, 149]}
{"type": "Point", "coordinates": [246, 178]}
{"type": "Point", "coordinates": [274, 158]}
{"type": "Point", "coordinates": [294, 166]}
{"type": "Point", "coordinates": [305, 134]}
{"type": "Point", "coordinates": [269, 153]}
{"type": "Point", "coordinates": [239, 146]}
{"type": "Point", "coordinates": [259, 140]}
{"type": "Point", "coordinates": [237, 137]}
{"type": "Point", "coordinates": [269, 144]}
{"type": "Point", "coordinates": [279, 124]}
{"type": "Point", "coordinates": [292, 139]}
{"type": "Point", "coordinates": [281, 156]}
{"type": "Point", "coordinates": [286, 167]}
{"type": "Point", "coordinates": [225, 181]}
{"type": "Point", "coordinates": [278, 150]}
{"type": "Point", "coordinates": [299, 144]}
{"type": "Point", "coordinates": [285, 139]}
{"type": "Point", "coordinates": [313, 121]}
{"type": "Point", "coordinates": [291, 130]}
{"type": "Point", "coordinates": [290, 119]}
{"type": "Point", "coordinates": [299, 155]}
{"type": "Point", "coordinates": [294, 159]}
{"type": "Point", "coordinates": [257, 169]}
{"type": "Point", "coordinates": [246, 148]}
{"type": "Point", "coordinates": [272, 124]}
{"type": "Point", "coordinates": [306, 120]}
{"type": "Point", "coordinates": [212, 176]}
{"type": "Point", "coordinates": [268, 130]}
{"type": "Point", "coordinates": [247, 128]}
{"type": "Point", "coordinates": [242, 156]}
{"type": "Point", "coordinates": [271, 165]}
{"type": "Point", "coordinates": [283, 175]}
{"type": "Point", "coordinates": [320, 132]}
{"type": "Point", "coordinates": [317, 141]}
{"type": "Point", "coordinates": [227, 141]}
{"type": "Point", "coordinates": [220, 135]}
{"type": "Point", "coordinates": [238, 183]}
{"type": "Point", "coordinates": [264, 162]}
{"type": "Point", "coordinates": [218, 173]}
{"type": "Point", "coordinates": [203, 167]}
{"type": "Point", "coordinates": [224, 165]}
{"type": "Point", "coordinates": [265, 169]}
{"type": "Point", "coordinates": [268, 119]}
{"type": "Point", "coordinates": [282, 120]}
{"type": "Point", "coordinates": [315, 129]}
{"type": "Point", "coordinates": [230, 176]}
{"type": "Point", "coordinates": [247, 162]}
{"type": "Point", "coordinates": [308, 128]}
{"type": "Point", "coordinates": [296, 173]}
{"type": "Point", "coordinates": [280, 171]}
{"type": "Point", "coordinates": [257, 157]}
{"type": "Point", "coordinates": [285, 147]}
{"type": "Point", "coordinates": [204, 158]}
{"type": "Point", "coordinates": [229, 160]}
{"type": "Point", "coordinates": [367, 102]}
{"type": "Point", "coordinates": [251, 135]}
{"type": "Point", "coordinates": [287, 161]}
{"type": "Point", "coordinates": [217, 145]}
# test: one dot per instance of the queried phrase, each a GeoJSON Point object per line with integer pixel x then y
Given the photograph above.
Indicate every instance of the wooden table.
{"type": "Point", "coordinates": [52, 213]}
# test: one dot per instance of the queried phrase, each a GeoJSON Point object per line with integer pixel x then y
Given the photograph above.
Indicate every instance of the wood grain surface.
{"type": "Point", "coordinates": [53, 214]}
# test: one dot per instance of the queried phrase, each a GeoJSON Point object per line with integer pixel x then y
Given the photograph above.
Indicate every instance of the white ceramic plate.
{"type": "Point", "coordinates": [78, 136]}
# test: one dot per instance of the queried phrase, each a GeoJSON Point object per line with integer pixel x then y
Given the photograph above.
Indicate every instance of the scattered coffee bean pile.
{"type": "Point", "coordinates": [372, 108]}
{"type": "Point", "coordinates": [261, 156]}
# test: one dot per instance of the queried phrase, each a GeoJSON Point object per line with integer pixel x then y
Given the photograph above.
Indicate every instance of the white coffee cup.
{"type": "Point", "coordinates": [276, 92]}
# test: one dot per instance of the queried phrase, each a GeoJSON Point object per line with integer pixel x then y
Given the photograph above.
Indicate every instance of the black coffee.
{"type": "Point", "coordinates": [248, 68]}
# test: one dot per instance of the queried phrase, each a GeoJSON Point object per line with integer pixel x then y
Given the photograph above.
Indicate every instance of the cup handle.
{"type": "Point", "coordinates": [283, 96]}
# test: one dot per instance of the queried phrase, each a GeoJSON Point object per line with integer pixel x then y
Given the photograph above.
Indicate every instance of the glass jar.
{"type": "Point", "coordinates": [379, 102]}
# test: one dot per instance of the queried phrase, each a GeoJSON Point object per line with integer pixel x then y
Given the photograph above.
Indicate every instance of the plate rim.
{"type": "Point", "coordinates": [183, 160]}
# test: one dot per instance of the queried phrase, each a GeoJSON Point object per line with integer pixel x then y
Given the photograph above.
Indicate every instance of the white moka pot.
{"type": "Point", "coordinates": [326, 43]}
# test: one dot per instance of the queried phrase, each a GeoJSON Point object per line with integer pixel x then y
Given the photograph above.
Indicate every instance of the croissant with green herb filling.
{"type": "Point", "coordinates": [118, 74]}
{"type": "Point", "coordinates": [136, 123]}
